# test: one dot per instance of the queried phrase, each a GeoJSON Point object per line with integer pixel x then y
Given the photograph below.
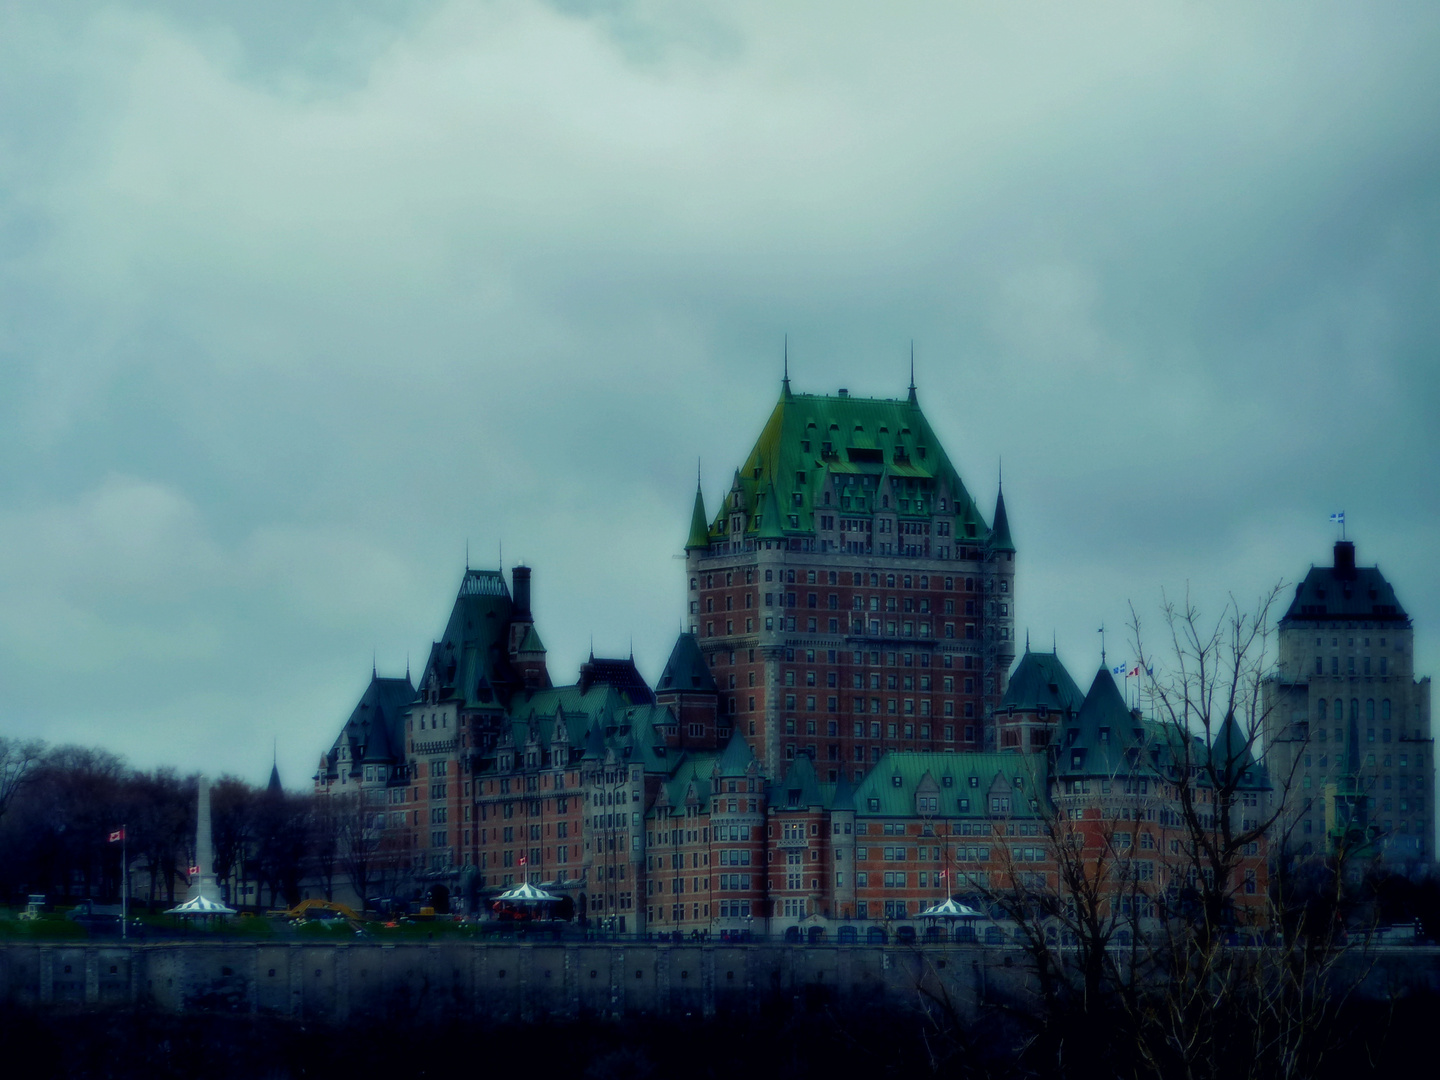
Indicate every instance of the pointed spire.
{"type": "Point", "coordinates": [1027, 639]}
{"type": "Point", "coordinates": [912, 371]}
{"type": "Point", "coordinates": [407, 666]}
{"type": "Point", "coordinates": [467, 554]}
{"type": "Point", "coordinates": [699, 523]}
{"type": "Point", "coordinates": [374, 661]}
{"type": "Point", "coordinates": [1000, 533]}
{"type": "Point", "coordinates": [785, 381]}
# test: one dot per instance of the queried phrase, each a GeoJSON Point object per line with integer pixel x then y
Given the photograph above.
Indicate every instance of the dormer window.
{"type": "Point", "coordinates": [947, 781]}
{"type": "Point", "coordinates": [1105, 734]}
{"type": "Point", "coordinates": [895, 780]}
{"type": "Point", "coordinates": [873, 805]}
{"type": "Point", "coordinates": [974, 781]}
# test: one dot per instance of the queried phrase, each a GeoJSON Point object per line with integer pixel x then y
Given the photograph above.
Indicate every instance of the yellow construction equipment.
{"type": "Point", "coordinates": [305, 907]}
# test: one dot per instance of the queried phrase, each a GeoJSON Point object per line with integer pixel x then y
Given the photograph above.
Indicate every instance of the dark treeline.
{"type": "Point", "coordinates": [59, 806]}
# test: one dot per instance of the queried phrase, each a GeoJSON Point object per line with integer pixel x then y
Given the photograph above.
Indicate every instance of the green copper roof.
{"type": "Point", "coordinates": [852, 448]}
{"type": "Point", "coordinates": [686, 669]}
{"type": "Point", "coordinates": [532, 642]}
{"type": "Point", "coordinates": [962, 783]}
{"type": "Point", "coordinates": [699, 531]}
{"type": "Point", "coordinates": [1041, 679]}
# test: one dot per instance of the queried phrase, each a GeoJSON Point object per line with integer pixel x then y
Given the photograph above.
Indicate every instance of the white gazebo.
{"type": "Point", "coordinates": [204, 900]}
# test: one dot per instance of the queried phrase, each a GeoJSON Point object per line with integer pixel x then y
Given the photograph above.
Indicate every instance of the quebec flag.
{"type": "Point", "coordinates": [1338, 518]}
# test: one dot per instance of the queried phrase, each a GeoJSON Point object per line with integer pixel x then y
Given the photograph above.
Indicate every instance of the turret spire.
{"type": "Point", "coordinates": [912, 371]}
{"type": "Point", "coordinates": [785, 381]}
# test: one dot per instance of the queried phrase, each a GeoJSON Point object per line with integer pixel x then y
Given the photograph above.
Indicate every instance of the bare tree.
{"type": "Point", "coordinates": [19, 760]}
{"type": "Point", "coordinates": [1152, 932]}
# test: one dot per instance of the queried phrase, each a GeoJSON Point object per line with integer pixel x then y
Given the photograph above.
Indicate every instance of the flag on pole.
{"type": "Point", "coordinates": [194, 871]}
{"type": "Point", "coordinates": [522, 860]}
{"type": "Point", "coordinates": [1133, 673]}
{"type": "Point", "coordinates": [117, 835]}
{"type": "Point", "coordinates": [1119, 669]}
{"type": "Point", "coordinates": [1339, 518]}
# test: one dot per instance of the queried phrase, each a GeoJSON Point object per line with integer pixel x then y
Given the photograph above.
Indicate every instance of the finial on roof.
{"type": "Point", "coordinates": [1101, 632]}
{"type": "Point", "coordinates": [467, 554]}
{"type": "Point", "coordinates": [1027, 639]}
{"type": "Point", "coordinates": [407, 667]}
{"type": "Point", "coordinates": [912, 369]}
{"type": "Point", "coordinates": [1000, 473]}
{"type": "Point", "coordinates": [374, 657]}
{"type": "Point", "coordinates": [1054, 642]}
{"type": "Point", "coordinates": [785, 381]}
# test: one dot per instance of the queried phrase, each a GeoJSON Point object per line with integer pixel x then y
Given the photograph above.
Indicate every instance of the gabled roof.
{"type": "Point", "coordinates": [1345, 592]}
{"type": "Point", "coordinates": [1040, 679]}
{"type": "Point", "coordinates": [686, 670]}
{"type": "Point", "coordinates": [532, 642]}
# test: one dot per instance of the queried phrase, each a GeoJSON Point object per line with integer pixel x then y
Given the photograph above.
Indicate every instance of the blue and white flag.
{"type": "Point", "coordinates": [1339, 518]}
{"type": "Point", "coordinates": [1118, 670]}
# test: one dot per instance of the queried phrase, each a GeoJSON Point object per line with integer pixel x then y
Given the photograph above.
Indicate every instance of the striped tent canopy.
{"type": "Point", "coordinates": [950, 910]}
{"type": "Point", "coordinates": [200, 906]}
{"type": "Point", "coordinates": [525, 893]}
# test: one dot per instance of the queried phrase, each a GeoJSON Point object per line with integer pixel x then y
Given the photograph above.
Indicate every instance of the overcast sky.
{"type": "Point", "coordinates": [297, 298]}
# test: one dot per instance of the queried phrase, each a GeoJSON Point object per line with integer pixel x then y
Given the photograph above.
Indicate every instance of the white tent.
{"type": "Point", "coordinates": [951, 910]}
{"type": "Point", "coordinates": [525, 893]}
{"type": "Point", "coordinates": [201, 905]}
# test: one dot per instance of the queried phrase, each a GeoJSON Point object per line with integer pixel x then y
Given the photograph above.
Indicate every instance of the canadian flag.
{"type": "Point", "coordinates": [522, 860]}
{"type": "Point", "coordinates": [194, 871]}
{"type": "Point", "coordinates": [117, 835]}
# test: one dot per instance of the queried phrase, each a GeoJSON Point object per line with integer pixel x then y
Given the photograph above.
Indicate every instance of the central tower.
{"type": "Point", "coordinates": [848, 596]}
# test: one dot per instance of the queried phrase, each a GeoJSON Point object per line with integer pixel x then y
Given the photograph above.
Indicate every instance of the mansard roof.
{"type": "Point", "coordinates": [686, 670]}
{"type": "Point", "coordinates": [961, 782]}
{"type": "Point", "coordinates": [1040, 680]}
{"type": "Point", "coordinates": [812, 437]}
{"type": "Point", "coordinates": [619, 673]}
{"type": "Point", "coordinates": [470, 663]}
{"type": "Point", "coordinates": [1344, 592]}
{"type": "Point", "coordinates": [375, 730]}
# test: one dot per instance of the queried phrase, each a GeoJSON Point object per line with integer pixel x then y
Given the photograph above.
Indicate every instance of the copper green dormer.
{"type": "Point", "coordinates": [699, 524]}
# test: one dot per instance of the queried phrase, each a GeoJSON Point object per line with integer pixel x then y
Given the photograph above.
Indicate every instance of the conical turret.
{"type": "Point", "coordinates": [699, 524]}
{"type": "Point", "coordinates": [1000, 534]}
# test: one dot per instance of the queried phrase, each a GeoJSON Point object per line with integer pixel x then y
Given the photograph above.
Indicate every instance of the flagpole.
{"type": "Point", "coordinates": [124, 884]}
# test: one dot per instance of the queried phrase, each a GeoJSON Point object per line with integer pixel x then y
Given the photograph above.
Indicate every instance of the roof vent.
{"type": "Point", "coordinates": [844, 392]}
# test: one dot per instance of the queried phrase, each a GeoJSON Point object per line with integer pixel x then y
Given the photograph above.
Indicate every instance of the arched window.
{"type": "Point", "coordinates": [1370, 708]}
{"type": "Point", "coordinates": [1385, 709]}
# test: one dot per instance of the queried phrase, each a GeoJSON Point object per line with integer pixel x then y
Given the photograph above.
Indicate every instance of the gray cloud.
{"type": "Point", "coordinates": [292, 303]}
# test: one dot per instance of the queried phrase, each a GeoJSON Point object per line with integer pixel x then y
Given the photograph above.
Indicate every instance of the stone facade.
{"type": "Point", "coordinates": [1348, 736]}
